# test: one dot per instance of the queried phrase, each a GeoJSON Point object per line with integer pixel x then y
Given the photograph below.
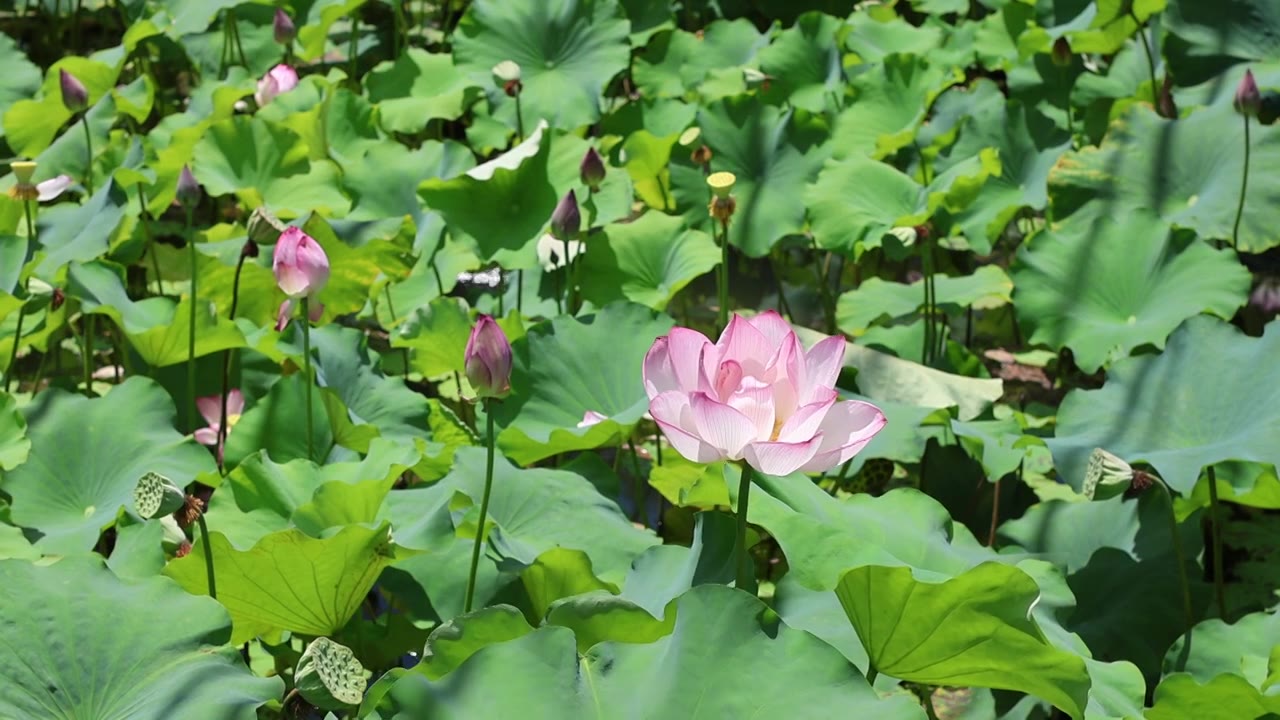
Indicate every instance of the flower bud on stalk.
{"type": "Point", "coordinates": [566, 221]}
{"type": "Point", "coordinates": [488, 359]}
{"type": "Point", "coordinates": [188, 189]}
{"type": "Point", "coordinates": [1247, 100]}
{"type": "Point", "coordinates": [74, 95]}
{"type": "Point", "coordinates": [1061, 53]}
{"type": "Point", "coordinates": [283, 28]}
{"type": "Point", "coordinates": [592, 171]}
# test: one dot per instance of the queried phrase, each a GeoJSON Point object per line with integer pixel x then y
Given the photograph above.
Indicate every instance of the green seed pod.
{"type": "Point", "coordinates": [1106, 476]}
{"type": "Point", "coordinates": [155, 495]}
{"type": "Point", "coordinates": [329, 676]}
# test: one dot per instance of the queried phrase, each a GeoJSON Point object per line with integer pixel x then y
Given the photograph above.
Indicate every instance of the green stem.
{"type": "Point", "coordinates": [235, 37]}
{"type": "Point", "coordinates": [86, 353]}
{"type": "Point", "coordinates": [872, 674]}
{"type": "Point", "coordinates": [520, 292]}
{"type": "Point", "coordinates": [1188, 613]}
{"type": "Point", "coordinates": [399, 28]}
{"type": "Point", "coordinates": [519, 120]}
{"type": "Point", "coordinates": [404, 351]}
{"type": "Point", "coordinates": [640, 487]}
{"type": "Point", "coordinates": [723, 277]}
{"type": "Point", "coordinates": [226, 371]}
{"type": "Point", "coordinates": [1244, 185]}
{"type": "Point", "coordinates": [1219, 585]}
{"type": "Point", "coordinates": [353, 50]}
{"type": "Point", "coordinates": [208, 555]}
{"type": "Point", "coordinates": [306, 366]}
{"type": "Point", "coordinates": [22, 309]}
{"type": "Point", "coordinates": [191, 339]}
{"type": "Point", "coordinates": [88, 143]}
{"type": "Point", "coordinates": [484, 512]}
{"type": "Point", "coordinates": [1151, 63]}
{"type": "Point", "coordinates": [746, 573]}
{"type": "Point", "coordinates": [926, 264]}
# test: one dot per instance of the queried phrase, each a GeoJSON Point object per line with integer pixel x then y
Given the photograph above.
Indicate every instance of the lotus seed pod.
{"type": "Point", "coordinates": [155, 495]}
{"type": "Point", "coordinates": [264, 228]}
{"type": "Point", "coordinates": [23, 170]}
{"type": "Point", "coordinates": [506, 71]}
{"type": "Point", "coordinates": [1106, 476]}
{"type": "Point", "coordinates": [722, 183]}
{"type": "Point", "coordinates": [690, 136]}
{"type": "Point", "coordinates": [329, 676]}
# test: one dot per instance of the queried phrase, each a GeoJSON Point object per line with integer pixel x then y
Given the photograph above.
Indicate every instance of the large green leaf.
{"type": "Point", "coordinates": [68, 497]}
{"type": "Point", "coordinates": [417, 88]}
{"type": "Point", "coordinates": [98, 646]}
{"type": "Point", "coordinates": [15, 447]}
{"type": "Point", "coordinates": [437, 333]}
{"type": "Point", "coordinates": [567, 50]}
{"type": "Point", "coordinates": [974, 629]}
{"type": "Point", "coordinates": [347, 365]}
{"type": "Point", "coordinates": [1225, 697]}
{"type": "Point", "coordinates": [987, 287]}
{"type": "Point", "coordinates": [890, 100]}
{"type": "Point", "coordinates": [1075, 286]}
{"type": "Point", "coordinates": [773, 152]}
{"type": "Point", "coordinates": [1244, 647]}
{"type": "Point", "coordinates": [289, 581]}
{"type": "Point", "coordinates": [719, 652]}
{"type": "Point", "coordinates": [1190, 177]}
{"type": "Point", "coordinates": [646, 261]}
{"type": "Point", "coordinates": [570, 366]}
{"type": "Point", "coordinates": [1178, 411]}
{"type": "Point", "coordinates": [22, 78]}
{"type": "Point", "coordinates": [804, 63]}
{"type": "Point", "coordinates": [677, 62]}
{"type": "Point", "coordinates": [79, 233]}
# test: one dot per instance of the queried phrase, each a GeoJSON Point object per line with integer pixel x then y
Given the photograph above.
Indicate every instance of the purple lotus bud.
{"type": "Point", "coordinates": [566, 220]}
{"type": "Point", "coordinates": [488, 359]}
{"type": "Point", "coordinates": [1061, 52]}
{"type": "Point", "coordinates": [74, 95]}
{"type": "Point", "coordinates": [188, 189]}
{"type": "Point", "coordinates": [1248, 100]}
{"type": "Point", "coordinates": [592, 170]}
{"type": "Point", "coordinates": [283, 27]}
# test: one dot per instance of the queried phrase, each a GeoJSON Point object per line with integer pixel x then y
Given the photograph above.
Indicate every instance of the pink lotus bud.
{"type": "Point", "coordinates": [280, 79]}
{"type": "Point", "coordinates": [300, 265]}
{"type": "Point", "coordinates": [283, 27]}
{"type": "Point", "coordinates": [592, 170]}
{"type": "Point", "coordinates": [488, 359]}
{"type": "Point", "coordinates": [188, 189]}
{"type": "Point", "coordinates": [758, 396]}
{"type": "Point", "coordinates": [74, 95]}
{"type": "Point", "coordinates": [566, 220]}
{"type": "Point", "coordinates": [1248, 100]}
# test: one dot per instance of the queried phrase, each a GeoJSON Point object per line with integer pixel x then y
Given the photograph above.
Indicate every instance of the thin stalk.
{"type": "Point", "coordinates": [723, 277]}
{"type": "Point", "coordinates": [995, 516]}
{"type": "Point", "coordinates": [86, 353]}
{"type": "Point", "coordinates": [1244, 185]}
{"type": "Point", "coordinates": [353, 49]}
{"type": "Point", "coordinates": [44, 358]}
{"type": "Point", "coordinates": [306, 365]}
{"type": "Point", "coordinates": [208, 554]}
{"type": "Point", "coordinates": [520, 292]}
{"type": "Point", "coordinates": [1219, 585]}
{"type": "Point", "coordinates": [396, 36]}
{"type": "Point", "coordinates": [926, 264]}
{"type": "Point", "coordinates": [235, 37]}
{"type": "Point", "coordinates": [872, 674]}
{"type": "Point", "coordinates": [75, 27]}
{"type": "Point", "coordinates": [22, 309]}
{"type": "Point", "coordinates": [639, 489]}
{"type": "Point", "coordinates": [404, 352]}
{"type": "Point", "coordinates": [191, 338]}
{"type": "Point", "coordinates": [88, 143]}
{"type": "Point", "coordinates": [484, 512]}
{"type": "Point", "coordinates": [519, 120]}
{"type": "Point", "coordinates": [940, 320]}
{"type": "Point", "coordinates": [1187, 612]}
{"type": "Point", "coordinates": [657, 449]}
{"type": "Point", "coordinates": [746, 573]}
{"type": "Point", "coordinates": [1151, 63]}
{"type": "Point", "coordinates": [226, 370]}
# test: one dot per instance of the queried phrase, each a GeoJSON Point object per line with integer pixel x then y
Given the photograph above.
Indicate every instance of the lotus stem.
{"type": "Point", "coordinates": [1219, 584]}
{"type": "Point", "coordinates": [872, 674]}
{"type": "Point", "coordinates": [1187, 611]}
{"type": "Point", "coordinates": [191, 336]}
{"type": "Point", "coordinates": [1244, 186]}
{"type": "Point", "coordinates": [484, 510]}
{"type": "Point", "coordinates": [88, 144]}
{"type": "Point", "coordinates": [1151, 63]}
{"type": "Point", "coordinates": [639, 489]}
{"type": "Point", "coordinates": [722, 289]}
{"type": "Point", "coordinates": [87, 353]}
{"type": "Point", "coordinates": [306, 369]}
{"type": "Point", "coordinates": [746, 573]}
{"type": "Point", "coordinates": [22, 309]}
{"type": "Point", "coordinates": [208, 553]}
{"type": "Point", "coordinates": [226, 372]}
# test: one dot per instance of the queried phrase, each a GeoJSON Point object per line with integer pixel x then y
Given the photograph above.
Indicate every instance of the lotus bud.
{"type": "Point", "coordinates": [74, 95]}
{"type": "Point", "coordinates": [155, 496]}
{"type": "Point", "coordinates": [329, 676]}
{"type": "Point", "coordinates": [506, 75]}
{"type": "Point", "coordinates": [566, 221]}
{"type": "Point", "coordinates": [488, 359]}
{"type": "Point", "coordinates": [279, 79]}
{"type": "Point", "coordinates": [1061, 53]}
{"type": "Point", "coordinates": [592, 170]}
{"type": "Point", "coordinates": [1106, 476]}
{"type": "Point", "coordinates": [300, 264]}
{"type": "Point", "coordinates": [1248, 100]}
{"type": "Point", "coordinates": [283, 27]}
{"type": "Point", "coordinates": [188, 189]}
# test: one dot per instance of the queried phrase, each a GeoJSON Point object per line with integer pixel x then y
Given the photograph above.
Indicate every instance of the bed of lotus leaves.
{"type": "Point", "coordinates": [1023, 215]}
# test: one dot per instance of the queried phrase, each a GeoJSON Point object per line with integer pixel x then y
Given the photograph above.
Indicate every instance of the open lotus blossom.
{"type": "Point", "coordinates": [211, 408]}
{"type": "Point", "coordinates": [279, 79]}
{"type": "Point", "coordinates": [756, 395]}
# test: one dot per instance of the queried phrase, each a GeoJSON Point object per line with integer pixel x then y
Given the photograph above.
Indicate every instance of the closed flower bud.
{"type": "Point", "coordinates": [566, 220]}
{"type": "Point", "coordinates": [280, 79]}
{"type": "Point", "coordinates": [188, 189]}
{"type": "Point", "coordinates": [488, 359]}
{"type": "Point", "coordinates": [1248, 100]}
{"type": "Point", "coordinates": [1061, 52]}
{"type": "Point", "coordinates": [592, 170]}
{"type": "Point", "coordinates": [155, 495]}
{"type": "Point", "coordinates": [283, 27]}
{"type": "Point", "coordinates": [300, 264]}
{"type": "Point", "coordinates": [74, 95]}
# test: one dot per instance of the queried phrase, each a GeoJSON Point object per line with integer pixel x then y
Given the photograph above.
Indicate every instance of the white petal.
{"type": "Point", "coordinates": [822, 366]}
{"type": "Point", "coordinates": [720, 426]}
{"type": "Point", "coordinates": [846, 430]}
{"type": "Point", "coordinates": [779, 458]}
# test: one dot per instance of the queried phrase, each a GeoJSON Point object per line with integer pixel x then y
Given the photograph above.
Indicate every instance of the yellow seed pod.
{"type": "Point", "coordinates": [722, 183]}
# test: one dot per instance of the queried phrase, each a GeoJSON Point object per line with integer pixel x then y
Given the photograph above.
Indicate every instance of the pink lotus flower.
{"type": "Point", "coordinates": [488, 359]}
{"type": "Point", "coordinates": [302, 270]}
{"type": "Point", "coordinates": [279, 79]}
{"type": "Point", "coordinates": [211, 408]}
{"type": "Point", "coordinates": [756, 395]}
